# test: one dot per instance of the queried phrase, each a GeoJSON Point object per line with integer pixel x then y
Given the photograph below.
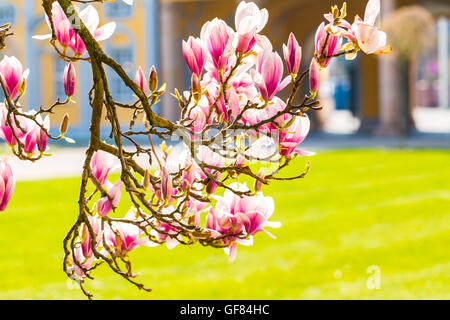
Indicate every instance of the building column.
{"type": "Point", "coordinates": [442, 25]}
{"type": "Point", "coordinates": [390, 111]}
{"type": "Point", "coordinates": [171, 58]}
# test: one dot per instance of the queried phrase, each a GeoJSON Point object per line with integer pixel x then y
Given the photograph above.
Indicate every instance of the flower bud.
{"type": "Point", "coordinates": [153, 79]}
{"type": "Point", "coordinates": [212, 186]}
{"type": "Point", "coordinates": [8, 182]}
{"type": "Point", "coordinates": [166, 184]}
{"type": "Point", "coordinates": [196, 87]}
{"type": "Point", "coordinates": [258, 183]}
{"type": "Point", "coordinates": [69, 80]}
{"type": "Point", "coordinates": [314, 76]}
{"type": "Point", "coordinates": [64, 124]}
{"type": "Point", "coordinates": [292, 54]}
{"type": "Point", "coordinates": [146, 179]}
{"type": "Point", "coordinates": [141, 81]}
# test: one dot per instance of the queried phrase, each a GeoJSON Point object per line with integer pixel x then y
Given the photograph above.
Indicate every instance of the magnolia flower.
{"type": "Point", "coordinates": [327, 44]}
{"type": "Point", "coordinates": [89, 16]}
{"type": "Point", "coordinates": [218, 37]}
{"type": "Point", "coordinates": [249, 21]}
{"type": "Point", "coordinates": [63, 28]}
{"type": "Point", "coordinates": [36, 138]}
{"type": "Point", "coordinates": [42, 136]}
{"type": "Point", "coordinates": [69, 79]}
{"type": "Point", "coordinates": [13, 76]}
{"type": "Point", "coordinates": [86, 244]}
{"type": "Point", "coordinates": [195, 55]}
{"type": "Point", "coordinates": [10, 132]}
{"type": "Point", "coordinates": [7, 184]}
{"type": "Point", "coordinates": [126, 237]}
{"type": "Point", "coordinates": [101, 164]}
{"type": "Point", "coordinates": [104, 206]}
{"type": "Point", "coordinates": [292, 55]}
{"type": "Point", "coordinates": [268, 75]}
{"type": "Point", "coordinates": [369, 38]}
{"type": "Point", "coordinates": [234, 214]}
{"type": "Point", "coordinates": [77, 273]}
{"type": "Point", "coordinates": [141, 81]}
{"type": "Point", "coordinates": [293, 135]}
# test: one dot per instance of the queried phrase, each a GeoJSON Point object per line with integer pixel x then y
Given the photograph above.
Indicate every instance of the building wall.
{"type": "Point", "coordinates": [136, 37]}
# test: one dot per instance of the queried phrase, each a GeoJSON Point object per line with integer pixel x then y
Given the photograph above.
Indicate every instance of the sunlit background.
{"type": "Point", "coordinates": [374, 209]}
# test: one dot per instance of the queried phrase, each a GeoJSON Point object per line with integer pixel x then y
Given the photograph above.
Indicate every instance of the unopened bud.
{"type": "Point", "coordinates": [146, 179]}
{"type": "Point", "coordinates": [212, 185]}
{"type": "Point", "coordinates": [64, 124]}
{"type": "Point", "coordinates": [153, 79]}
{"type": "Point", "coordinates": [196, 87]}
{"type": "Point", "coordinates": [166, 184]}
{"type": "Point", "coordinates": [69, 80]}
{"type": "Point", "coordinates": [314, 76]}
{"type": "Point", "coordinates": [258, 183]}
{"type": "Point", "coordinates": [141, 81]}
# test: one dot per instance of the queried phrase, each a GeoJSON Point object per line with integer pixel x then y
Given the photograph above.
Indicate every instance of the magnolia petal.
{"type": "Point", "coordinates": [372, 11]}
{"type": "Point", "coordinates": [105, 31]}
{"type": "Point", "coordinates": [385, 50]}
{"type": "Point", "coordinates": [42, 36]}
{"type": "Point", "coordinates": [304, 153]}
{"type": "Point", "coordinates": [90, 18]}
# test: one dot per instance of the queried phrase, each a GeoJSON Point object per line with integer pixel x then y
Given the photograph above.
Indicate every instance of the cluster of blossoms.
{"type": "Point", "coordinates": [233, 123]}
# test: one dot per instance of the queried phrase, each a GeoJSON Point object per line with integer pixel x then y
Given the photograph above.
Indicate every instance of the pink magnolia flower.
{"type": "Point", "coordinates": [104, 206]}
{"type": "Point", "coordinates": [141, 81]}
{"type": "Point", "coordinates": [218, 37]}
{"type": "Point", "coordinates": [198, 118]}
{"type": "Point", "coordinates": [369, 38]}
{"type": "Point", "coordinates": [101, 164]}
{"type": "Point", "coordinates": [314, 76]}
{"type": "Point", "coordinates": [65, 32]}
{"type": "Point", "coordinates": [7, 184]}
{"type": "Point", "coordinates": [234, 214]}
{"type": "Point", "coordinates": [268, 75]}
{"type": "Point", "coordinates": [325, 49]}
{"type": "Point", "coordinates": [195, 55]}
{"type": "Point", "coordinates": [41, 141]}
{"type": "Point", "coordinates": [77, 255]}
{"type": "Point", "coordinates": [6, 132]}
{"type": "Point", "coordinates": [86, 244]}
{"type": "Point", "coordinates": [292, 136]}
{"type": "Point", "coordinates": [167, 235]}
{"type": "Point", "coordinates": [126, 237]}
{"type": "Point", "coordinates": [13, 76]}
{"type": "Point", "coordinates": [63, 28]}
{"type": "Point", "coordinates": [249, 20]}
{"type": "Point", "coordinates": [69, 79]}
{"type": "Point", "coordinates": [31, 139]}
{"type": "Point", "coordinates": [91, 20]}
{"type": "Point", "coordinates": [292, 55]}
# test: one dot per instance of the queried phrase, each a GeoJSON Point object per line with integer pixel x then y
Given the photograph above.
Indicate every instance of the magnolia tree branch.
{"type": "Point", "coordinates": [232, 125]}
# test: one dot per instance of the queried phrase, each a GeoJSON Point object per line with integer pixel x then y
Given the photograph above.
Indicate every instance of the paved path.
{"type": "Point", "coordinates": [67, 162]}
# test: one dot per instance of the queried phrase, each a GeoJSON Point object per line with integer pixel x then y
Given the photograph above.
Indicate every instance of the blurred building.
{"type": "Point", "coordinates": [363, 95]}
{"type": "Point", "coordinates": [134, 43]}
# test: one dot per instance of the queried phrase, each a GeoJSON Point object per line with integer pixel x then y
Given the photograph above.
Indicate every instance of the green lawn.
{"type": "Point", "coordinates": [356, 209]}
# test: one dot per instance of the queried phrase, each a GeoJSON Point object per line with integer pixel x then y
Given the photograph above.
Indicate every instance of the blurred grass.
{"type": "Point", "coordinates": [355, 209]}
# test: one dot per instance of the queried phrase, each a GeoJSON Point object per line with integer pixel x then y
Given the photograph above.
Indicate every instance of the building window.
{"type": "Point", "coordinates": [59, 66]}
{"type": "Point", "coordinates": [7, 14]}
{"type": "Point", "coordinates": [124, 56]}
{"type": "Point", "coordinates": [118, 9]}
